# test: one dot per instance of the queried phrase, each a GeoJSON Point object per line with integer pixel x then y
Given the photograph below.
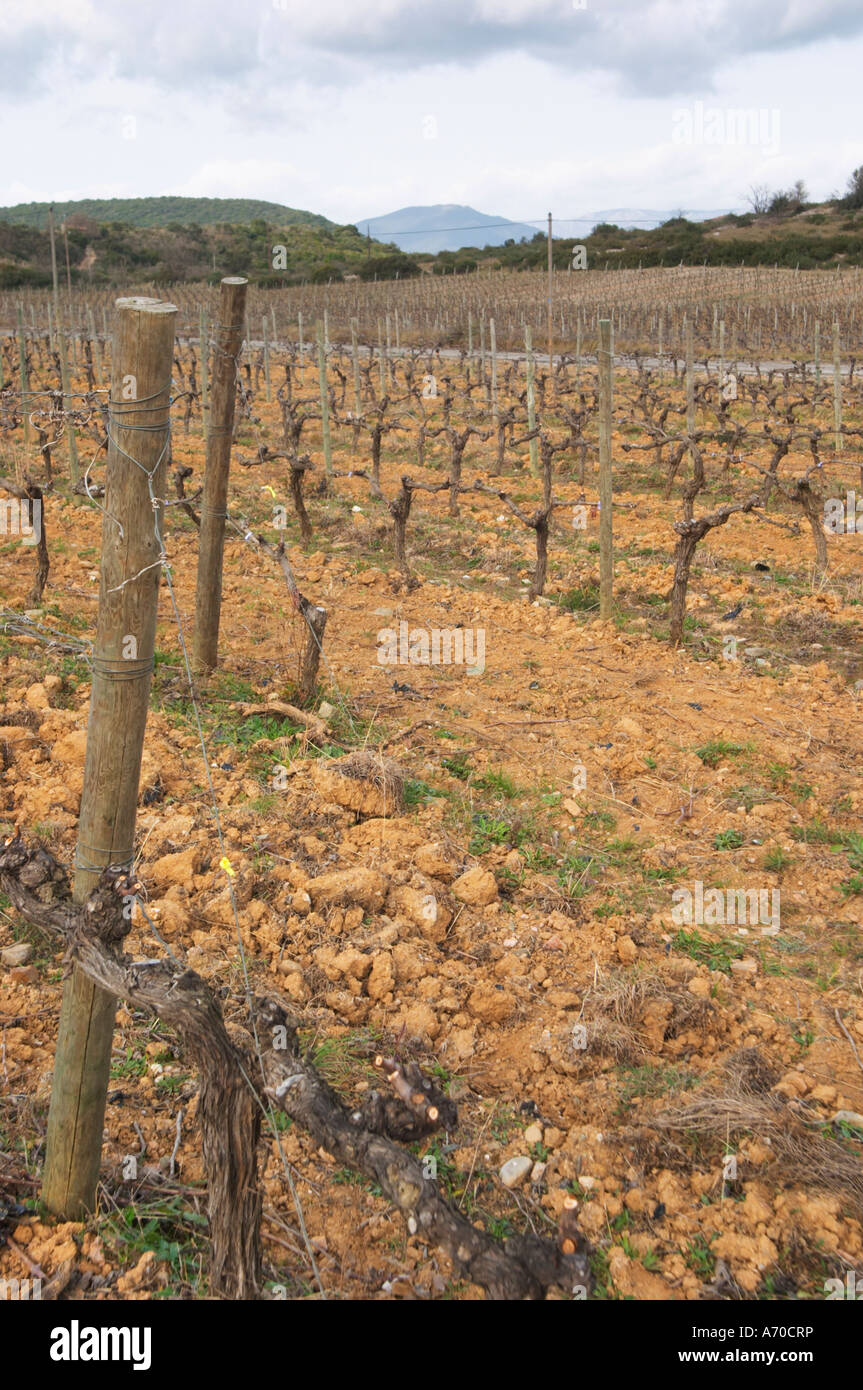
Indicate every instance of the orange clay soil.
{"type": "Point", "coordinates": [509, 927]}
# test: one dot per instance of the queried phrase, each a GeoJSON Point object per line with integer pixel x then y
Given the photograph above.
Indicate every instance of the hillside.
{"type": "Point", "coordinates": [820, 235]}
{"type": "Point", "coordinates": [161, 212]}
{"type": "Point", "coordinates": [119, 253]}
{"type": "Point", "coordinates": [114, 254]}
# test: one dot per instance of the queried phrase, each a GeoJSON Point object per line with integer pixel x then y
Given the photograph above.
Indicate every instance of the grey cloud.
{"type": "Point", "coordinates": [652, 47]}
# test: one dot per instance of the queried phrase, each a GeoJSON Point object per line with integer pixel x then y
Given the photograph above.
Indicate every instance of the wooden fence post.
{"type": "Point", "coordinates": [208, 590]}
{"type": "Point", "coordinates": [23, 379]}
{"type": "Point", "coordinates": [533, 447]}
{"type": "Point", "coordinates": [325, 406]}
{"type": "Point", "coordinates": [690, 377]}
{"type": "Point", "coordinates": [204, 343]}
{"type": "Point", "coordinates": [606, 389]}
{"type": "Point", "coordinates": [492, 335]}
{"type": "Point", "coordinates": [837, 389]}
{"type": "Point", "coordinates": [266, 334]}
{"type": "Point", "coordinates": [358, 398]}
{"type": "Point", "coordinates": [139, 436]}
{"type": "Point", "coordinates": [74, 470]}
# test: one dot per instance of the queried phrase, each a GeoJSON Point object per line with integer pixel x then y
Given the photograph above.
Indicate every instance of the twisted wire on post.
{"type": "Point", "coordinates": [131, 670]}
{"type": "Point", "coordinates": [116, 859]}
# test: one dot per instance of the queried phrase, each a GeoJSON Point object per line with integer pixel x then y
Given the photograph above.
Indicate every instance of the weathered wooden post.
{"type": "Point", "coordinates": [358, 399]}
{"type": "Point", "coordinates": [325, 407]}
{"type": "Point", "coordinates": [531, 401]}
{"type": "Point", "coordinates": [355, 364]}
{"type": "Point", "coordinates": [265, 329]}
{"type": "Point", "coordinates": [67, 406]}
{"type": "Point", "coordinates": [606, 388]}
{"type": "Point", "coordinates": [23, 379]}
{"type": "Point", "coordinates": [208, 591]}
{"type": "Point", "coordinates": [492, 337]}
{"type": "Point", "coordinates": [837, 389]}
{"type": "Point", "coordinates": [139, 433]}
{"type": "Point", "coordinates": [817, 353]}
{"type": "Point", "coordinates": [96, 350]}
{"type": "Point", "coordinates": [204, 342]}
{"type": "Point", "coordinates": [690, 376]}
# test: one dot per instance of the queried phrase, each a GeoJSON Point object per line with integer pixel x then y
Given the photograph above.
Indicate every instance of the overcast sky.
{"type": "Point", "coordinates": [353, 108]}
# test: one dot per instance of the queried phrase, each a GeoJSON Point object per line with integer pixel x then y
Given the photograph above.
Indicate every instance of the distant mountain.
{"type": "Point", "coordinates": [444, 227]}
{"type": "Point", "coordinates": [161, 212]}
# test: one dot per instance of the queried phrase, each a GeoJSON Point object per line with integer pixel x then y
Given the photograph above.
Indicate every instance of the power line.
{"type": "Point", "coordinates": [646, 222]}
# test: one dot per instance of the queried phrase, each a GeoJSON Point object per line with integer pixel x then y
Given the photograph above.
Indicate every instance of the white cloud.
{"type": "Point", "coordinates": [322, 106]}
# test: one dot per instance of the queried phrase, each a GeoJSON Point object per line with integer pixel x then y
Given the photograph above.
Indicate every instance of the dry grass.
{"type": "Point", "coordinates": [740, 1102]}
{"type": "Point", "coordinates": [364, 781]}
{"type": "Point", "coordinates": [615, 1008]}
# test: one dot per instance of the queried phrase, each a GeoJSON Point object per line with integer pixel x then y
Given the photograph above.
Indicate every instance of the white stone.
{"type": "Point", "coordinates": [515, 1170]}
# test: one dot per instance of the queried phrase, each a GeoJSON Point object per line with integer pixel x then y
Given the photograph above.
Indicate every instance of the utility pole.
{"type": "Point", "coordinates": [53, 262]}
{"type": "Point", "coordinates": [550, 292]}
{"type": "Point", "coordinates": [68, 271]}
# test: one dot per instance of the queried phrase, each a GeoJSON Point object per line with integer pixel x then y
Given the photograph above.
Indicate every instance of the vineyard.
{"type": "Point", "coordinates": [428, 750]}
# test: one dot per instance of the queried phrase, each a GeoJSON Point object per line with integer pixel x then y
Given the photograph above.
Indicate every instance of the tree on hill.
{"type": "Point", "coordinates": [854, 194]}
{"type": "Point", "coordinates": [759, 197]}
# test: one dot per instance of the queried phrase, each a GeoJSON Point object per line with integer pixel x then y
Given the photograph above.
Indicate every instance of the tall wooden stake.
{"type": "Point", "coordinates": [220, 431]}
{"type": "Point", "coordinates": [837, 388]}
{"type": "Point", "coordinates": [67, 406]}
{"type": "Point", "coordinates": [355, 363]}
{"type": "Point", "coordinates": [265, 329]}
{"type": "Point", "coordinates": [606, 387]}
{"type": "Point", "coordinates": [204, 344]}
{"type": "Point", "coordinates": [122, 671]}
{"type": "Point", "coordinates": [533, 446]}
{"type": "Point", "coordinates": [23, 376]}
{"type": "Point", "coordinates": [690, 378]}
{"type": "Point", "coordinates": [325, 405]}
